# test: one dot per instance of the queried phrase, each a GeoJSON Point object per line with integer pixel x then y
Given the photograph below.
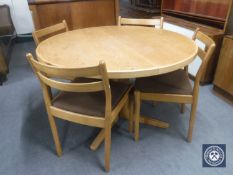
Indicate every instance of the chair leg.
{"type": "Point", "coordinates": [107, 146]}
{"type": "Point", "coordinates": [192, 120]}
{"type": "Point", "coordinates": [55, 134]}
{"type": "Point", "coordinates": [100, 138]}
{"type": "Point", "coordinates": [131, 119]}
{"type": "Point", "coordinates": [182, 108]}
{"type": "Point", "coordinates": [137, 115]}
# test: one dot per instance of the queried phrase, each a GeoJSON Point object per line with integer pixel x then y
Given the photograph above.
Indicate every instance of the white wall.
{"type": "Point", "coordinates": [21, 15]}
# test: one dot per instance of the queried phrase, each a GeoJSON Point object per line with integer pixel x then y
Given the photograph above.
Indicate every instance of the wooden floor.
{"type": "Point", "coordinates": [126, 10]}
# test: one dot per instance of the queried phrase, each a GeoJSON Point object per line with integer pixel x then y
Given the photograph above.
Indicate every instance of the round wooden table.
{"type": "Point", "coordinates": [129, 51]}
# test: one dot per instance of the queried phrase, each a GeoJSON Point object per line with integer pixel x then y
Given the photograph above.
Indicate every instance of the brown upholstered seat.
{"type": "Point", "coordinates": [176, 82]}
{"type": "Point", "coordinates": [92, 103]}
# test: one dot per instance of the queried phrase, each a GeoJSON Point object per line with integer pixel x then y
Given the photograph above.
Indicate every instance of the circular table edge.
{"type": "Point", "coordinates": [140, 72]}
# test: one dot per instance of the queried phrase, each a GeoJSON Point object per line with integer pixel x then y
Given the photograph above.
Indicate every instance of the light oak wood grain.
{"type": "Point", "coordinates": [157, 23]}
{"type": "Point", "coordinates": [129, 51]}
{"type": "Point", "coordinates": [43, 34]}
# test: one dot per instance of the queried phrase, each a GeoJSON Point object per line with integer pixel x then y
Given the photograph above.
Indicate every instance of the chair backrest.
{"type": "Point", "coordinates": [59, 78]}
{"type": "Point", "coordinates": [205, 54]}
{"type": "Point", "coordinates": [157, 23]}
{"type": "Point", "coordinates": [41, 35]}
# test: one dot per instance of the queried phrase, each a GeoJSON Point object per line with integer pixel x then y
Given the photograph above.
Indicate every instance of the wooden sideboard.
{"type": "Point", "coordinates": [77, 13]}
{"type": "Point", "coordinates": [211, 16]}
{"type": "Point", "coordinates": [223, 81]}
{"type": "Point", "coordinates": [212, 12]}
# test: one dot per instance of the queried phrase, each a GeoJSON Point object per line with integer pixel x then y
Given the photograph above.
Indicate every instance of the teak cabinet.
{"type": "Point", "coordinates": [77, 13]}
{"type": "Point", "coordinates": [212, 12]}
{"type": "Point", "coordinates": [211, 16]}
{"type": "Point", "coordinates": [224, 74]}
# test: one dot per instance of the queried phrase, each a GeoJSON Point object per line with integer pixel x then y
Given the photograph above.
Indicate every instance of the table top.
{"type": "Point", "coordinates": [128, 51]}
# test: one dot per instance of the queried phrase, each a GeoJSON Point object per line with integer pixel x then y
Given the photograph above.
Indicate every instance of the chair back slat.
{"type": "Point", "coordinates": [72, 87]}
{"type": "Point", "coordinates": [205, 54]}
{"type": "Point", "coordinates": [204, 39]}
{"type": "Point", "coordinates": [141, 22]}
{"type": "Point", "coordinates": [201, 53]}
{"type": "Point", "coordinates": [209, 45]}
{"type": "Point", "coordinates": [43, 34]}
{"type": "Point", "coordinates": [47, 73]}
{"type": "Point", "coordinates": [65, 73]}
{"type": "Point", "coordinates": [79, 85]}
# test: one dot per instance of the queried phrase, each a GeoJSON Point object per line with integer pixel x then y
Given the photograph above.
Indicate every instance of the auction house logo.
{"type": "Point", "coordinates": [214, 155]}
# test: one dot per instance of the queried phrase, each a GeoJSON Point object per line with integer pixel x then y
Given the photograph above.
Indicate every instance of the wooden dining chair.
{"type": "Point", "coordinates": [174, 87]}
{"type": "Point", "coordinates": [41, 35]}
{"type": "Point", "coordinates": [157, 23]}
{"type": "Point", "coordinates": [94, 102]}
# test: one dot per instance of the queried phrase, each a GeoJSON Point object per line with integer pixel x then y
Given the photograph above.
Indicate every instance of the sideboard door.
{"type": "Point", "coordinates": [224, 74]}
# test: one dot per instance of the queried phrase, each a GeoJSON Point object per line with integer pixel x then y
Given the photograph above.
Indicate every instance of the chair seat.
{"type": "Point", "coordinates": [176, 82]}
{"type": "Point", "coordinates": [91, 103]}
